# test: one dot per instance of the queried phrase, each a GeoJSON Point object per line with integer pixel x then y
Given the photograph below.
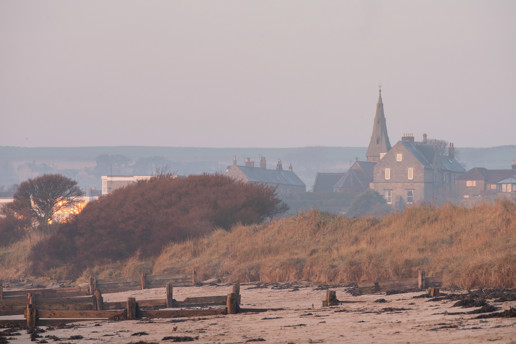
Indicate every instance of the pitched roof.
{"type": "Point", "coordinates": [508, 181]}
{"type": "Point", "coordinates": [425, 154]}
{"type": "Point", "coordinates": [354, 181]}
{"type": "Point", "coordinates": [366, 166]}
{"type": "Point", "coordinates": [489, 176]}
{"type": "Point", "coordinates": [324, 182]}
{"type": "Point", "coordinates": [262, 175]}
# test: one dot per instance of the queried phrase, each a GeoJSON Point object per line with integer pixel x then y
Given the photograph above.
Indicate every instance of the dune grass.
{"type": "Point", "coordinates": [473, 247]}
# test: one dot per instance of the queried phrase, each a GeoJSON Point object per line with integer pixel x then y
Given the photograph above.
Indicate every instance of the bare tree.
{"type": "Point", "coordinates": [40, 198]}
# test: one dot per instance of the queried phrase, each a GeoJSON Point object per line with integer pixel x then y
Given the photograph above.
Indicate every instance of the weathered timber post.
{"type": "Point", "coordinates": [30, 299]}
{"type": "Point", "coordinates": [31, 313]}
{"type": "Point", "coordinates": [1, 292]}
{"type": "Point", "coordinates": [376, 287]}
{"type": "Point", "coordinates": [92, 286]}
{"type": "Point", "coordinates": [144, 280]}
{"type": "Point", "coordinates": [132, 308]}
{"type": "Point", "coordinates": [433, 292]}
{"type": "Point", "coordinates": [331, 298]}
{"type": "Point", "coordinates": [98, 300]}
{"type": "Point", "coordinates": [232, 303]}
{"type": "Point", "coordinates": [421, 283]}
{"type": "Point", "coordinates": [236, 290]}
{"type": "Point", "coordinates": [194, 277]}
{"type": "Point", "coordinates": [169, 290]}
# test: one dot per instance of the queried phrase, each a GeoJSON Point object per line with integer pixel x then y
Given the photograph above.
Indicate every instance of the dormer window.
{"type": "Point", "coordinates": [399, 157]}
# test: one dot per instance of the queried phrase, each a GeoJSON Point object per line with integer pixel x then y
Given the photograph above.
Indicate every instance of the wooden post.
{"type": "Point", "coordinates": [131, 308]}
{"type": "Point", "coordinates": [32, 316]}
{"type": "Point", "coordinates": [331, 298]}
{"type": "Point", "coordinates": [30, 299]}
{"type": "Point", "coordinates": [433, 292]}
{"type": "Point", "coordinates": [236, 290]}
{"type": "Point", "coordinates": [1, 292]}
{"type": "Point", "coordinates": [194, 277]}
{"type": "Point", "coordinates": [169, 290]}
{"type": "Point", "coordinates": [144, 281]}
{"type": "Point", "coordinates": [93, 285]}
{"type": "Point", "coordinates": [421, 280]}
{"type": "Point", "coordinates": [98, 300]}
{"type": "Point", "coordinates": [232, 304]}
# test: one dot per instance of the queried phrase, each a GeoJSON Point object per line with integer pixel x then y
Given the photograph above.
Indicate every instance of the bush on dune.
{"type": "Point", "coordinates": [142, 218]}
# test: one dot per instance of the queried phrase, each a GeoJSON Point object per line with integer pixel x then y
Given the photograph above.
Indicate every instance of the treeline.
{"type": "Point", "coordinates": [141, 219]}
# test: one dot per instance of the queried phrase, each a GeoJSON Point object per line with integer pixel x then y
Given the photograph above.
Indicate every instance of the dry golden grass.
{"type": "Point", "coordinates": [14, 259]}
{"type": "Point", "coordinates": [470, 247]}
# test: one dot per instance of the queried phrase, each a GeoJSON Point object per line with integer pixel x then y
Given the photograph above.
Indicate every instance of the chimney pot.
{"type": "Point", "coordinates": [279, 166]}
{"type": "Point", "coordinates": [425, 138]}
{"type": "Point", "coordinates": [263, 162]}
{"type": "Point", "coordinates": [408, 138]}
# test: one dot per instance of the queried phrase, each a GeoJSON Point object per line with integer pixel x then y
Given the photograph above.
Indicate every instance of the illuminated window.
{"type": "Point", "coordinates": [387, 173]}
{"type": "Point", "coordinates": [399, 157]}
{"type": "Point", "coordinates": [411, 173]}
{"type": "Point", "coordinates": [382, 155]}
{"type": "Point", "coordinates": [388, 196]}
{"type": "Point", "coordinates": [471, 183]}
{"type": "Point", "coordinates": [410, 196]}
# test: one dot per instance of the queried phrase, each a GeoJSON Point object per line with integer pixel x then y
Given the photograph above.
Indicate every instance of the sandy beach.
{"type": "Point", "coordinates": [378, 318]}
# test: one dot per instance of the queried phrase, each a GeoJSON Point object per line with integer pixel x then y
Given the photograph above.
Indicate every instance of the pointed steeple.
{"type": "Point", "coordinates": [379, 144]}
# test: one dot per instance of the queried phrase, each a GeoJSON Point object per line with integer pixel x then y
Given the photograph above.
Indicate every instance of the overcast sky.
{"type": "Point", "coordinates": [255, 73]}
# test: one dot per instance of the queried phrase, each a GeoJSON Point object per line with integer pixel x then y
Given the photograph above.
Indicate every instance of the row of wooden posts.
{"type": "Point", "coordinates": [432, 285]}
{"type": "Point", "coordinates": [134, 310]}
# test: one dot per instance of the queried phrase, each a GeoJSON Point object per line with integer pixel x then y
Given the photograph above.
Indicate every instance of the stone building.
{"type": "Point", "coordinates": [482, 183]}
{"type": "Point", "coordinates": [285, 181]}
{"type": "Point", "coordinates": [414, 172]}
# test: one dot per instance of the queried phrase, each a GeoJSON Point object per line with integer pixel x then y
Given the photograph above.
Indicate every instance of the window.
{"type": "Point", "coordinates": [382, 155]}
{"type": "Point", "coordinates": [411, 173]}
{"type": "Point", "coordinates": [504, 187]}
{"type": "Point", "coordinates": [410, 196]}
{"type": "Point", "coordinates": [471, 183]}
{"type": "Point", "coordinates": [387, 173]}
{"type": "Point", "coordinates": [388, 196]}
{"type": "Point", "coordinates": [399, 157]}
{"type": "Point", "coordinates": [493, 186]}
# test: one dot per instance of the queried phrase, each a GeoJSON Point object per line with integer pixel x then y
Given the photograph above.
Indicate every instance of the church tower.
{"type": "Point", "coordinates": [379, 144]}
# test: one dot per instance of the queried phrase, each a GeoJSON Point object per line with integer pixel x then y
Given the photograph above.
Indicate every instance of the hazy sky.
{"type": "Point", "coordinates": [255, 73]}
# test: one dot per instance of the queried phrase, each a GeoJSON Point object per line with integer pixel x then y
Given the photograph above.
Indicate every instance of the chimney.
{"type": "Point", "coordinates": [234, 160]}
{"type": "Point", "coordinates": [249, 162]}
{"type": "Point", "coordinates": [290, 168]}
{"type": "Point", "coordinates": [425, 139]}
{"type": "Point", "coordinates": [514, 165]}
{"type": "Point", "coordinates": [408, 138]}
{"type": "Point", "coordinates": [263, 163]}
{"type": "Point", "coordinates": [279, 166]}
{"type": "Point", "coordinates": [451, 150]}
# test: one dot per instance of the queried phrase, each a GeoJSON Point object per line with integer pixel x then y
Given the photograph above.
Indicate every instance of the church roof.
{"type": "Point", "coordinates": [379, 142]}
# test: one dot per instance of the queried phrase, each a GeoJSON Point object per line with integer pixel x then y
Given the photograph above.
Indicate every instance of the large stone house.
{"type": "Point", "coordinates": [286, 182]}
{"type": "Point", "coordinates": [414, 172]}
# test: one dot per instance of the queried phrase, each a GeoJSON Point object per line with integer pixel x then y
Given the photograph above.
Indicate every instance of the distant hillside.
{"type": "Point", "coordinates": [88, 164]}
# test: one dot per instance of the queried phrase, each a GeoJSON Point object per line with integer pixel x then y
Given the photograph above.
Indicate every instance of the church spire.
{"type": "Point", "coordinates": [379, 144]}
